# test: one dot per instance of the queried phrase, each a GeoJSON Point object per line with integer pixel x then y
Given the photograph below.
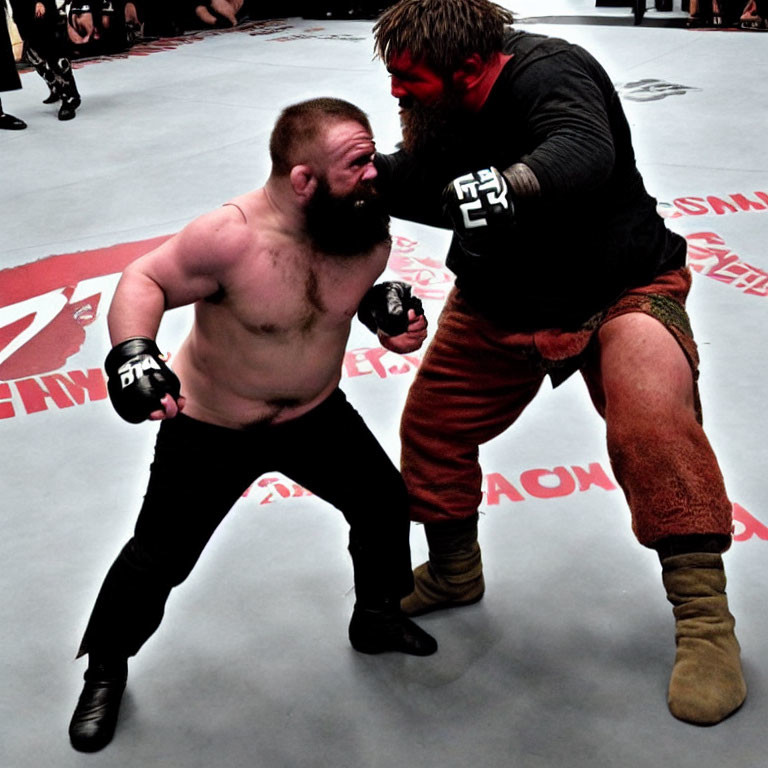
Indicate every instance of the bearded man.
{"type": "Point", "coordinates": [518, 143]}
{"type": "Point", "coordinates": [276, 277]}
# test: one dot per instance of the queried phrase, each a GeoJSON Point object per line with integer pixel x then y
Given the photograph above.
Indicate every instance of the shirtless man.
{"type": "Point", "coordinates": [276, 277]}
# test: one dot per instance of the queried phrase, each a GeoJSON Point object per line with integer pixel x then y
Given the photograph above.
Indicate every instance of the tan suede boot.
{"type": "Point", "coordinates": [707, 683]}
{"type": "Point", "coordinates": [453, 575]}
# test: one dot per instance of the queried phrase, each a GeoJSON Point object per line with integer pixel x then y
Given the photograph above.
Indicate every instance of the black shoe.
{"type": "Point", "coordinates": [95, 717]}
{"type": "Point", "coordinates": [11, 123]}
{"type": "Point", "coordinates": [66, 111]}
{"type": "Point", "coordinates": [387, 629]}
{"type": "Point", "coordinates": [52, 98]}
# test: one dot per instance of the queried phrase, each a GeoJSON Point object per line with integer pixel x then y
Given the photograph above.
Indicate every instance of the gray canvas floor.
{"type": "Point", "coordinates": [565, 663]}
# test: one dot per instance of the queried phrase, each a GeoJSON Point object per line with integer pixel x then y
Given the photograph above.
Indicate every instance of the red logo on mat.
{"type": "Point", "coordinates": [714, 205]}
{"type": "Point", "coordinates": [428, 277]}
{"type": "Point", "coordinates": [534, 484]}
{"type": "Point", "coordinates": [45, 308]}
{"type": "Point", "coordinates": [709, 255]}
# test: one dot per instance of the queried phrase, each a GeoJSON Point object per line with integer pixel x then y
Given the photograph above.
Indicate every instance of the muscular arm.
{"type": "Point", "coordinates": [184, 269]}
{"type": "Point", "coordinates": [565, 100]}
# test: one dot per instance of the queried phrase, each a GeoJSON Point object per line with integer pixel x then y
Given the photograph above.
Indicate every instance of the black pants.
{"type": "Point", "coordinates": [55, 70]}
{"type": "Point", "coordinates": [200, 470]}
{"type": "Point", "coordinates": [45, 47]}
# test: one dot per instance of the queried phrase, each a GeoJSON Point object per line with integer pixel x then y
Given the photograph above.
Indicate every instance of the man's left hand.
{"type": "Point", "coordinates": [385, 307]}
{"type": "Point", "coordinates": [409, 341]}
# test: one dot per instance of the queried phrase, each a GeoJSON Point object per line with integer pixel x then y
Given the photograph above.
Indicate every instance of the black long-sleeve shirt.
{"type": "Point", "coordinates": [592, 233]}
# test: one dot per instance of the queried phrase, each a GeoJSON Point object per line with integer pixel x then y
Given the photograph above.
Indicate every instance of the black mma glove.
{"type": "Point", "coordinates": [385, 308]}
{"type": "Point", "coordinates": [481, 210]}
{"type": "Point", "coordinates": [138, 379]}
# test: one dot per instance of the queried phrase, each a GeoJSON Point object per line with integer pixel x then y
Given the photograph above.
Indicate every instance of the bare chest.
{"type": "Point", "coordinates": [282, 295]}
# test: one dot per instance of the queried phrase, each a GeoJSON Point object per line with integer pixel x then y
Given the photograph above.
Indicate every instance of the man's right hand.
{"type": "Point", "coordinates": [140, 385]}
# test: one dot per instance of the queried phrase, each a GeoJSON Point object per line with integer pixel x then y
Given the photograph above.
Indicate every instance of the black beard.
{"type": "Point", "coordinates": [346, 225]}
{"type": "Point", "coordinates": [437, 132]}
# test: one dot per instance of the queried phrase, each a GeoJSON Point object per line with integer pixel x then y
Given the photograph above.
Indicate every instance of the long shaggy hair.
{"type": "Point", "coordinates": [444, 33]}
{"type": "Point", "coordinates": [299, 125]}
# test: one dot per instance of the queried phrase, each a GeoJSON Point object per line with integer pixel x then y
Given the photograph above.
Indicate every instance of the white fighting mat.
{"type": "Point", "coordinates": [566, 661]}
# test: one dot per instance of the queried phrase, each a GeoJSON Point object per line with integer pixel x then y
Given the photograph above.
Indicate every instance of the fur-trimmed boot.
{"type": "Point", "coordinates": [707, 683]}
{"type": "Point", "coordinates": [453, 575]}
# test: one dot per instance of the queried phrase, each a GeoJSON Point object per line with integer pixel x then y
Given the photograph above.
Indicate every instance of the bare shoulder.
{"type": "Point", "coordinates": [219, 237]}
{"type": "Point", "coordinates": [249, 206]}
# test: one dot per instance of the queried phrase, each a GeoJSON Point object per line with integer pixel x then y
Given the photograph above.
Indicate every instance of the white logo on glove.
{"type": "Point", "coordinates": [488, 182]}
{"type": "Point", "coordinates": [134, 369]}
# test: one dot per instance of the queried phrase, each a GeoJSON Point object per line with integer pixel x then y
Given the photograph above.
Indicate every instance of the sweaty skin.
{"type": "Point", "coordinates": [272, 315]}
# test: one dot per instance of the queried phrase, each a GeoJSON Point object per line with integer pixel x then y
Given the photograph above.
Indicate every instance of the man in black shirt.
{"type": "Point", "coordinates": [519, 144]}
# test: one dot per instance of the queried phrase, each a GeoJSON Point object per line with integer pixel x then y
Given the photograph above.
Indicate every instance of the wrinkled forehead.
{"type": "Point", "coordinates": [346, 140]}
